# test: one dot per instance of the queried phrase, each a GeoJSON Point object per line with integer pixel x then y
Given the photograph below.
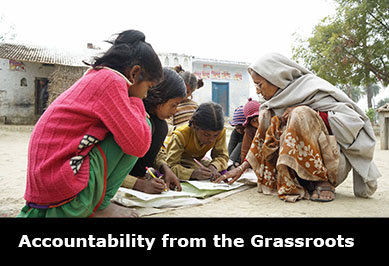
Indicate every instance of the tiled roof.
{"type": "Point", "coordinates": [46, 55]}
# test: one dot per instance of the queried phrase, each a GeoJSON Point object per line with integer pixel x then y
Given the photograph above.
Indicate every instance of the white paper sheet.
{"type": "Point", "coordinates": [208, 185]}
{"type": "Point", "coordinates": [194, 192]}
{"type": "Point", "coordinates": [146, 196]}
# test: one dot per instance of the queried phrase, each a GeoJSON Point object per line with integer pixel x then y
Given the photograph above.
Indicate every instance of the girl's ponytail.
{"type": "Point", "coordinates": [189, 78]}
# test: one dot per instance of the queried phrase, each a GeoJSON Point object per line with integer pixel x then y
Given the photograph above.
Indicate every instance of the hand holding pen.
{"type": "Point", "coordinates": [204, 173]}
{"type": "Point", "coordinates": [158, 180]}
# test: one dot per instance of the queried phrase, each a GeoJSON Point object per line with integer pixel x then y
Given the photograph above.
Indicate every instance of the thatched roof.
{"type": "Point", "coordinates": [61, 79]}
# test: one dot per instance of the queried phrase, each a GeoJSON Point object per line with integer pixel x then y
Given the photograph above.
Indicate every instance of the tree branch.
{"type": "Point", "coordinates": [383, 63]}
{"type": "Point", "coordinates": [375, 71]}
{"type": "Point", "coordinates": [380, 14]}
{"type": "Point", "coordinates": [379, 21]}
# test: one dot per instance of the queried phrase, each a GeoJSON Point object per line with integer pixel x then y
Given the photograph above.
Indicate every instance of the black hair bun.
{"type": "Point", "coordinates": [130, 37]}
{"type": "Point", "coordinates": [200, 83]}
{"type": "Point", "coordinates": [178, 69]}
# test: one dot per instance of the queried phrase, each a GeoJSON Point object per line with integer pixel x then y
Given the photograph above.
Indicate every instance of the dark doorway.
{"type": "Point", "coordinates": [41, 95]}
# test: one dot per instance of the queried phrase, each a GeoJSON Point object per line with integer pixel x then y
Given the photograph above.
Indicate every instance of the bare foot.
{"type": "Point", "coordinates": [114, 210]}
{"type": "Point", "coordinates": [323, 192]}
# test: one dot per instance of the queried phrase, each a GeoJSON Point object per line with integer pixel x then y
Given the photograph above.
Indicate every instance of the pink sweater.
{"type": "Point", "coordinates": [95, 105]}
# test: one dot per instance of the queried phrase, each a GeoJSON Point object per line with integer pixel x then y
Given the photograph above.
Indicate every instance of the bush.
{"type": "Point", "coordinates": [371, 115]}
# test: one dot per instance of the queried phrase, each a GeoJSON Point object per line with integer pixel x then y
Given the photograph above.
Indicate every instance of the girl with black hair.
{"type": "Point", "coordinates": [161, 103]}
{"type": "Point", "coordinates": [187, 107]}
{"type": "Point", "coordinates": [205, 132]}
{"type": "Point", "coordinates": [89, 138]}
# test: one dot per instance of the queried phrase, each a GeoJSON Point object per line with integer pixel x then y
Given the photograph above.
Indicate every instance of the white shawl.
{"type": "Point", "coordinates": [349, 124]}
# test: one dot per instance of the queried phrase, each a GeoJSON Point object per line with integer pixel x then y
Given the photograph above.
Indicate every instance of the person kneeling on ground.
{"type": "Point", "coordinates": [251, 111]}
{"type": "Point", "coordinates": [236, 137]}
{"type": "Point", "coordinates": [310, 136]}
{"type": "Point", "coordinates": [89, 138]}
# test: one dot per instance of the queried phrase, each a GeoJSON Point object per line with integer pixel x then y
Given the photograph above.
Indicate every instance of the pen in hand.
{"type": "Point", "coordinates": [152, 174]}
{"type": "Point", "coordinates": [203, 167]}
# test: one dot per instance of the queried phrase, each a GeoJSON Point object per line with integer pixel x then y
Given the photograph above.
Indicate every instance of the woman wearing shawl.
{"type": "Point", "coordinates": [310, 136]}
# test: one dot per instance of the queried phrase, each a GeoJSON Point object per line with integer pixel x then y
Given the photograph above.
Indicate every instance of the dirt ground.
{"type": "Point", "coordinates": [248, 203]}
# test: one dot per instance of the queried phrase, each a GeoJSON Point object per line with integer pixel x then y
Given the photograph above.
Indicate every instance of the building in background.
{"type": "Point", "coordinates": [24, 68]}
{"type": "Point", "coordinates": [173, 59]}
{"type": "Point", "coordinates": [225, 82]}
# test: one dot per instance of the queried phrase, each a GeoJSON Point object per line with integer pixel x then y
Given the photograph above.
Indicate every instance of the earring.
{"type": "Point", "coordinates": [132, 79]}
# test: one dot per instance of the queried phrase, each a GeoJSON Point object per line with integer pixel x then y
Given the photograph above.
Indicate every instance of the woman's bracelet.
{"type": "Point", "coordinates": [240, 167]}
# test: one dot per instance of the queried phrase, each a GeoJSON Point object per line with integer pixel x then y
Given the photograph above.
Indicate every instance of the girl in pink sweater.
{"type": "Point", "coordinates": [90, 137]}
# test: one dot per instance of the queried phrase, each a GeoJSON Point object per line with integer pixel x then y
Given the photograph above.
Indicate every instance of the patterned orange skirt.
{"type": "Point", "coordinates": [284, 157]}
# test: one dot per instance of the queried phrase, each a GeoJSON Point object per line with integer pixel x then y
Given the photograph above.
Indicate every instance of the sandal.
{"type": "Point", "coordinates": [319, 189]}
